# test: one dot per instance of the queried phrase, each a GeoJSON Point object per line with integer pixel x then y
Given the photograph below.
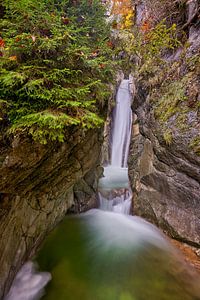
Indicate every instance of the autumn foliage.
{"type": "Point", "coordinates": [122, 7]}
{"type": "Point", "coordinates": [125, 10]}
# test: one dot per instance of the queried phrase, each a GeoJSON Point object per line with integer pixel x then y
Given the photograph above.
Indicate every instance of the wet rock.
{"type": "Point", "coordinates": [165, 179]}
{"type": "Point", "coordinates": [38, 186]}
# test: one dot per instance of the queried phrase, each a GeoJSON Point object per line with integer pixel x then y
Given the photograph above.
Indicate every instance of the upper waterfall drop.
{"type": "Point", "coordinates": [114, 189]}
{"type": "Point", "coordinates": [122, 121]}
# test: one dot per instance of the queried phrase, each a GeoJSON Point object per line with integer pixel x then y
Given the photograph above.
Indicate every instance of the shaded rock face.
{"type": "Point", "coordinates": [164, 162]}
{"type": "Point", "coordinates": [165, 178]}
{"type": "Point", "coordinates": [39, 184]}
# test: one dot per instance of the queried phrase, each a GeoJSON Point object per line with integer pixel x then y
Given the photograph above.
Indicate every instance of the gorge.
{"type": "Point", "coordinates": [60, 77]}
{"type": "Point", "coordinates": [108, 255]}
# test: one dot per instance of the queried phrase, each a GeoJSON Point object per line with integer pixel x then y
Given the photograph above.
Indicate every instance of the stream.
{"type": "Point", "coordinates": [105, 253]}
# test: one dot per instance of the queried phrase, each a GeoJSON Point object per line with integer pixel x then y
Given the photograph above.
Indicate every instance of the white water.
{"type": "Point", "coordinates": [114, 177]}
{"type": "Point", "coordinates": [114, 191]}
{"type": "Point", "coordinates": [113, 240]}
{"type": "Point", "coordinates": [28, 284]}
{"type": "Point", "coordinates": [122, 122]}
{"type": "Point", "coordinates": [115, 194]}
{"type": "Point", "coordinates": [117, 230]}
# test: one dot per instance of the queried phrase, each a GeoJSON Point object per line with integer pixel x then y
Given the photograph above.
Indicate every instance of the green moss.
{"type": "Point", "coordinates": [195, 145]}
{"type": "Point", "coordinates": [182, 120]}
{"type": "Point", "coordinates": [168, 136]}
{"type": "Point", "coordinates": [193, 63]}
{"type": "Point", "coordinates": [168, 99]}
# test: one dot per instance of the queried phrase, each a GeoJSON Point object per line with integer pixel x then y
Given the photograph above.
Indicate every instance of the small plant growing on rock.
{"type": "Point", "coordinates": [168, 137]}
{"type": "Point", "coordinates": [195, 145]}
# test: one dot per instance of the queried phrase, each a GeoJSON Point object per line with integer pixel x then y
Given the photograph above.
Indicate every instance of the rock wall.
{"type": "Point", "coordinates": [165, 181]}
{"type": "Point", "coordinates": [39, 184]}
{"type": "Point", "coordinates": [164, 157]}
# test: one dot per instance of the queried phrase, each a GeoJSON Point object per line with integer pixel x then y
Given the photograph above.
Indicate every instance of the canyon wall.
{"type": "Point", "coordinates": [164, 157]}
{"type": "Point", "coordinates": [39, 185]}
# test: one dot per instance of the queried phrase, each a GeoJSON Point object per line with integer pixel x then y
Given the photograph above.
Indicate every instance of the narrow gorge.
{"type": "Point", "coordinates": [99, 135]}
{"type": "Point", "coordinates": [106, 245]}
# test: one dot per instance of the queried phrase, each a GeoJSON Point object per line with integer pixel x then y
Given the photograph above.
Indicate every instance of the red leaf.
{"type": "Point", "coordinates": [2, 43]}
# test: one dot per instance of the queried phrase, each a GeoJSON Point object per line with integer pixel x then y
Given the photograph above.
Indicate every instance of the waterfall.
{"type": "Point", "coordinates": [108, 254]}
{"type": "Point", "coordinates": [114, 191]}
{"type": "Point", "coordinates": [122, 122]}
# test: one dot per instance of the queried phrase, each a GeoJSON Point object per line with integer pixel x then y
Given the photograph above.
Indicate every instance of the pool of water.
{"type": "Point", "coordinates": [109, 256]}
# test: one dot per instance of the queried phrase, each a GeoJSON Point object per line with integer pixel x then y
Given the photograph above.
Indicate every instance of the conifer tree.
{"type": "Point", "coordinates": [55, 65]}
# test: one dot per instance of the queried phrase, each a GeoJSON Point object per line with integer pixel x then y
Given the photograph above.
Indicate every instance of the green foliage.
{"type": "Point", "coordinates": [147, 47]}
{"type": "Point", "coordinates": [193, 63]}
{"type": "Point", "coordinates": [168, 137]}
{"type": "Point", "coordinates": [3, 108]}
{"type": "Point", "coordinates": [55, 65]}
{"type": "Point", "coordinates": [167, 67]}
{"type": "Point", "coordinates": [195, 145]}
{"type": "Point", "coordinates": [166, 103]}
{"type": "Point", "coordinates": [47, 125]}
{"type": "Point", "coordinates": [161, 38]}
{"type": "Point", "coordinates": [44, 126]}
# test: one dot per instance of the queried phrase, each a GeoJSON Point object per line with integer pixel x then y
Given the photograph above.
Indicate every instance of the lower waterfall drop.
{"type": "Point", "coordinates": [114, 190]}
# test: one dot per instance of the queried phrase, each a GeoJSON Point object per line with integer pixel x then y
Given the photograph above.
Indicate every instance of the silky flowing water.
{"type": "Point", "coordinates": [106, 254]}
{"type": "Point", "coordinates": [114, 190]}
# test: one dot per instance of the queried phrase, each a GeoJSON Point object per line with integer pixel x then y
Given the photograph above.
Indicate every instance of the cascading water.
{"type": "Point", "coordinates": [114, 191]}
{"type": "Point", "coordinates": [28, 284]}
{"type": "Point", "coordinates": [122, 122]}
{"type": "Point", "coordinates": [104, 255]}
